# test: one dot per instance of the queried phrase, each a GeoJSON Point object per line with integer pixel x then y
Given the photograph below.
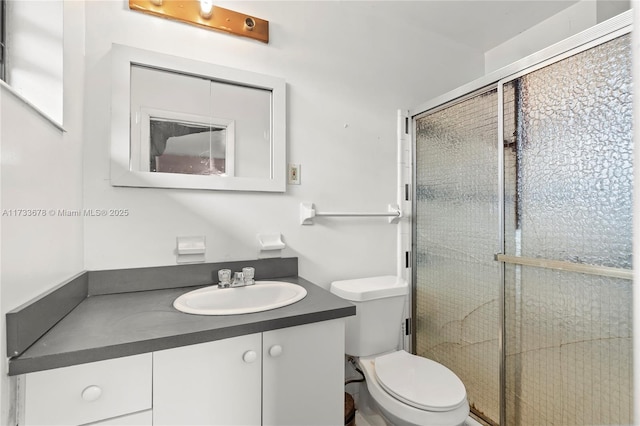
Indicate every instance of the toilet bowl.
{"type": "Point", "coordinates": [433, 396]}
{"type": "Point", "coordinates": [406, 389]}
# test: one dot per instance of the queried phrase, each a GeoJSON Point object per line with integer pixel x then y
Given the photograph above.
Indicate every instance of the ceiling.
{"type": "Point", "coordinates": [482, 24]}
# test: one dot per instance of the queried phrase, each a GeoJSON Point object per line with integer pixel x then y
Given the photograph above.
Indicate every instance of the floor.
{"type": "Point", "coordinates": [376, 420]}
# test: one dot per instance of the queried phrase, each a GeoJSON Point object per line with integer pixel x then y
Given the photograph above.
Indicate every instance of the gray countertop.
{"type": "Point", "coordinates": [115, 325]}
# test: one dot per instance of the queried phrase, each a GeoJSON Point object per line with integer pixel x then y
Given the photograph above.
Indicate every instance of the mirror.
{"type": "Point", "coordinates": [178, 123]}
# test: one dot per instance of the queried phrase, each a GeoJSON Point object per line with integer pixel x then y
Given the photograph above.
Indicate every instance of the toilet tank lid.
{"type": "Point", "coordinates": [362, 289]}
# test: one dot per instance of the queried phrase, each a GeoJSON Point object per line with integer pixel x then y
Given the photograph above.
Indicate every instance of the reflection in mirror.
{"type": "Point", "coordinates": [186, 148]}
{"type": "Point", "coordinates": [195, 125]}
{"type": "Point", "coordinates": [172, 142]}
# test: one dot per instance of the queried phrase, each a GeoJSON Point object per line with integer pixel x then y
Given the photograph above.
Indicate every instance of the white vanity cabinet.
{"type": "Point", "coordinates": [285, 377]}
{"type": "Point", "coordinates": [291, 376]}
{"type": "Point", "coordinates": [88, 393]}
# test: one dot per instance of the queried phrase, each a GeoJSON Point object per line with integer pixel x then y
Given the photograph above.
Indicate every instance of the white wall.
{"type": "Point", "coordinates": [41, 169]}
{"type": "Point", "coordinates": [570, 21]}
{"type": "Point", "coordinates": [348, 68]}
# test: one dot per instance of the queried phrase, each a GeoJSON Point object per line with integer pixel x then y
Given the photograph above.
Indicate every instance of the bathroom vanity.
{"type": "Point", "coordinates": [130, 358]}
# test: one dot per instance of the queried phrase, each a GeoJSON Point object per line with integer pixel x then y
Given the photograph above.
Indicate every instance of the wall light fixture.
{"type": "Point", "coordinates": [203, 13]}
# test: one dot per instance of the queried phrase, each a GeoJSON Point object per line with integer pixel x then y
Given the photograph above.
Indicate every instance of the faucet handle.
{"type": "Point", "coordinates": [248, 274]}
{"type": "Point", "coordinates": [224, 278]}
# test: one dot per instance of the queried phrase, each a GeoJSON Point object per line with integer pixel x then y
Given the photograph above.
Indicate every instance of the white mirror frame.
{"type": "Point", "coordinates": [123, 57]}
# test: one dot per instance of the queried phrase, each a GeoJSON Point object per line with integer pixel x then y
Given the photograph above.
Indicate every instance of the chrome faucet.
{"type": "Point", "coordinates": [240, 279]}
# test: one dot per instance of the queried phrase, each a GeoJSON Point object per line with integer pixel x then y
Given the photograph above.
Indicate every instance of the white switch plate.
{"type": "Point", "coordinates": [293, 174]}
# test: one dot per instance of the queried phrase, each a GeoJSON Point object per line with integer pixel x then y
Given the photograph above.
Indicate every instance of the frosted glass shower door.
{"type": "Point", "coordinates": [457, 283]}
{"type": "Point", "coordinates": [568, 177]}
{"type": "Point", "coordinates": [524, 289]}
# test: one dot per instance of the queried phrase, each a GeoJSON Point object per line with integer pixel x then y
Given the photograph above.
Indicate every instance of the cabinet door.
{"type": "Point", "coordinates": [303, 375]}
{"type": "Point", "coordinates": [88, 392]}
{"type": "Point", "coordinates": [213, 383]}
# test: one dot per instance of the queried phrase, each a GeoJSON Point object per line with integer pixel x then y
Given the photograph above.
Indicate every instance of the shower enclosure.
{"type": "Point", "coordinates": [522, 236]}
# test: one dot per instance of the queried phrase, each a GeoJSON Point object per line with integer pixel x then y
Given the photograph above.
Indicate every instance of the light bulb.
{"type": "Point", "coordinates": [206, 8]}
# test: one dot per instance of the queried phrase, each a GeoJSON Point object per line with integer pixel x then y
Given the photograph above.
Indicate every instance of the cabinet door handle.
{"type": "Point", "coordinates": [249, 356]}
{"type": "Point", "coordinates": [275, 350]}
{"type": "Point", "coordinates": [91, 393]}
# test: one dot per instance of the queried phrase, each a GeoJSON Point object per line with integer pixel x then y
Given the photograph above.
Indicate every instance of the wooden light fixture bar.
{"type": "Point", "coordinates": [220, 19]}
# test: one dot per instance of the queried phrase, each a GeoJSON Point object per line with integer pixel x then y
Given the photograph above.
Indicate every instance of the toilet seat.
{"type": "Point", "coordinates": [420, 382]}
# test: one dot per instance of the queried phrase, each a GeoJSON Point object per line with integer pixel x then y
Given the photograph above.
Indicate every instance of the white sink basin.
{"type": "Point", "coordinates": [262, 296]}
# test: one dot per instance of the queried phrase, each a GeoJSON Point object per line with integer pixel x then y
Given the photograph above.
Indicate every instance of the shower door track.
{"type": "Point", "coordinates": [559, 265]}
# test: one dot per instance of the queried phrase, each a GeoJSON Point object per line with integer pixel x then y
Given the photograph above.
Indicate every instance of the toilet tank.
{"type": "Point", "coordinates": [379, 304]}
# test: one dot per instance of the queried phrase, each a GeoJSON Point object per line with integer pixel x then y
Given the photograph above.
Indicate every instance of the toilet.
{"type": "Point", "coordinates": [406, 389]}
